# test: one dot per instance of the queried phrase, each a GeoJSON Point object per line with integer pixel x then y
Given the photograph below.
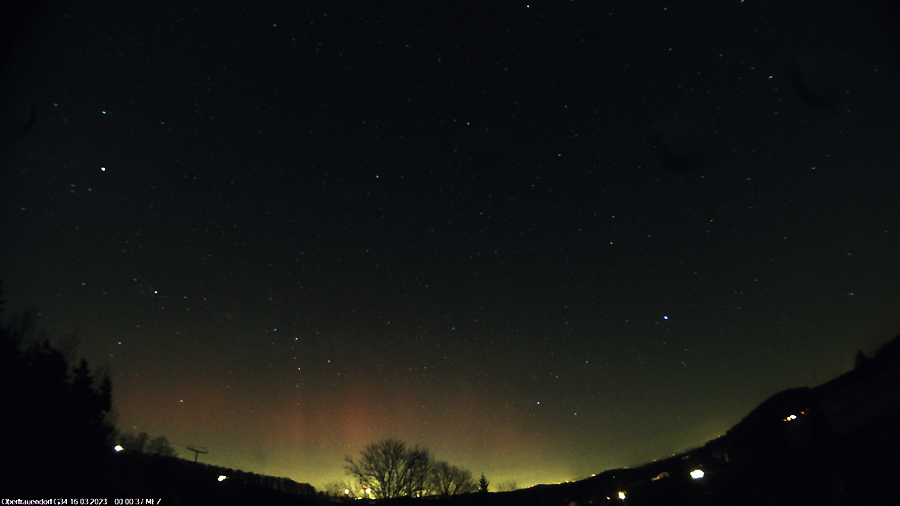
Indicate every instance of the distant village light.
{"type": "Point", "coordinates": [664, 474]}
{"type": "Point", "coordinates": [697, 474]}
{"type": "Point", "coordinates": [118, 448]}
{"type": "Point", "coordinates": [222, 477]}
{"type": "Point", "coordinates": [622, 495]}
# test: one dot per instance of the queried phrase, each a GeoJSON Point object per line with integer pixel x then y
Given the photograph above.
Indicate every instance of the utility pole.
{"type": "Point", "coordinates": [197, 451]}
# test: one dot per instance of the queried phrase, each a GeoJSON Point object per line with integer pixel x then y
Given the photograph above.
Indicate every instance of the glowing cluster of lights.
{"type": "Point", "coordinates": [622, 495]}
{"type": "Point", "coordinates": [118, 448]}
{"type": "Point", "coordinates": [697, 474]}
{"type": "Point", "coordinates": [793, 417]}
{"type": "Point", "coordinates": [222, 477]}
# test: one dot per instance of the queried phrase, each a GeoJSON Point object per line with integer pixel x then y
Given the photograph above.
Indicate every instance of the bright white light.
{"type": "Point", "coordinates": [697, 474]}
{"type": "Point", "coordinates": [622, 495]}
{"type": "Point", "coordinates": [792, 417]}
{"type": "Point", "coordinates": [118, 448]}
{"type": "Point", "coordinates": [222, 477]}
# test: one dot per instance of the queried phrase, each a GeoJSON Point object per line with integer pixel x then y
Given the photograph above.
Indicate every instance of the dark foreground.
{"type": "Point", "coordinates": [836, 444]}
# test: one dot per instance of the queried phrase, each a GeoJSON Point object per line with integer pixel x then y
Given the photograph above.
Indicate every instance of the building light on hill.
{"type": "Point", "coordinates": [697, 474]}
{"type": "Point", "coordinates": [792, 417]}
{"type": "Point", "coordinates": [118, 448]}
{"type": "Point", "coordinates": [622, 495]}
{"type": "Point", "coordinates": [222, 477]}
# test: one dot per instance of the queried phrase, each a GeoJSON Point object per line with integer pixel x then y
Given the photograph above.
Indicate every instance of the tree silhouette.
{"type": "Point", "coordinates": [507, 486]}
{"type": "Point", "coordinates": [141, 443]}
{"type": "Point", "coordinates": [483, 484]}
{"type": "Point", "coordinates": [418, 467]}
{"type": "Point", "coordinates": [160, 446]}
{"type": "Point", "coordinates": [447, 480]}
{"type": "Point", "coordinates": [134, 442]}
{"type": "Point", "coordinates": [56, 429]}
{"type": "Point", "coordinates": [340, 490]}
{"type": "Point", "coordinates": [391, 469]}
{"type": "Point", "coordinates": [861, 360]}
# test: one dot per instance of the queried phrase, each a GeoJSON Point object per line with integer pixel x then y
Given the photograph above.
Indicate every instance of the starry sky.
{"type": "Point", "coordinates": [542, 240]}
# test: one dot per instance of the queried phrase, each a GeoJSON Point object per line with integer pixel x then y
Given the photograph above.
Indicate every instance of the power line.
{"type": "Point", "coordinates": [197, 450]}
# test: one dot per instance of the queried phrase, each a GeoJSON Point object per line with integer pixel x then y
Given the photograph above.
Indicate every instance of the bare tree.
{"type": "Point", "coordinates": [447, 480]}
{"type": "Point", "coordinates": [134, 443]}
{"type": "Point", "coordinates": [160, 446]}
{"type": "Point", "coordinates": [339, 490]}
{"type": "Point", "coordinates": [441, 478]}
{"type": "Point", "coordinates": [417, 467]}
{"type": "Point", "coordinates": [507, 486]}
{"type": "Point", "coordinates": [390, 469]}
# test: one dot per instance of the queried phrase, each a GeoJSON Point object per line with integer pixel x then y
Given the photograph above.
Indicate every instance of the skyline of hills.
{"type": "Point", "coordinates": [828, 442]}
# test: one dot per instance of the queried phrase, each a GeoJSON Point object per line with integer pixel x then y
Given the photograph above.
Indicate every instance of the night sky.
{"type": "Point", "coordinates": [542, 240]}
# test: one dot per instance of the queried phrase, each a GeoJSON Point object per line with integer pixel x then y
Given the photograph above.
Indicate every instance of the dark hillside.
{"type": "Point", "coordinates": [833, 444]}
{"type": "Point", "coordinates": [189, 483]}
